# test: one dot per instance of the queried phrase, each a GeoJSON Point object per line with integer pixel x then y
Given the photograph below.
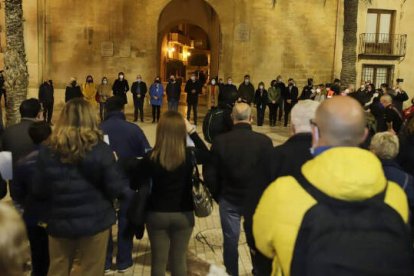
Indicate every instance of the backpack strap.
{"type": "Point", "coordinates": [321, 197]}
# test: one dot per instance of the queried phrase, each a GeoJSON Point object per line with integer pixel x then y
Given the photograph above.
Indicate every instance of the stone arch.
{"type": "Point", "coordinates": [195, 12]}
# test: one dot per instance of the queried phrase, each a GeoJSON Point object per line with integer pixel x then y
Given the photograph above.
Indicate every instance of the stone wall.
{"type": "Point", "coordinates": [298, 39]}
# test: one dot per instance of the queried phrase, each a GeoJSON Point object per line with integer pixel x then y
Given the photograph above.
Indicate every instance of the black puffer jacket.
{"type": "Point", "coordinates": [79, 195]}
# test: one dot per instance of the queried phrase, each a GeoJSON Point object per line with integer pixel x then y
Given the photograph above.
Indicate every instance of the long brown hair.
{"type": "Point", "coordinates": [170, 142]}
{"type": "Point", "coordinates": [76, 131]}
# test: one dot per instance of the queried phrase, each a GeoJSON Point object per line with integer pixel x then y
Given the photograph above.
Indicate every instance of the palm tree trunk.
{"type": "Point", "coordinates": [15, 73]}
{"type": "Point", "coordinates": [349, 54]}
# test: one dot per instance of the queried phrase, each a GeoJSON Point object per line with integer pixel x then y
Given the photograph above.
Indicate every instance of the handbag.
{"type": "Point", "coordinates": [136, 212]}
{"type": "Point", "coordinates": [202, 199]}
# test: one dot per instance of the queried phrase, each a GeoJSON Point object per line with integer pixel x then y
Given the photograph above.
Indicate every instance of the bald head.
{"type": "Point", "coordinates": [341, 122]}
{"type": "Point", "coordinates": [241, 113]}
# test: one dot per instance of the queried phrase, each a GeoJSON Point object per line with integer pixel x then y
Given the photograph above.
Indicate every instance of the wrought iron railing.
{"type": "Point", "coordinates": [383, 44]}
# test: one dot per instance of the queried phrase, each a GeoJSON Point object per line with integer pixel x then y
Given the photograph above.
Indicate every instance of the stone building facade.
{"type": "Point", "coordinates": [298, 39]}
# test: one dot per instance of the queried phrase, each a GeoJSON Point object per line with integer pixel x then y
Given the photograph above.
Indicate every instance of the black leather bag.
{"type": "Point", "coordinates": [202, 199]}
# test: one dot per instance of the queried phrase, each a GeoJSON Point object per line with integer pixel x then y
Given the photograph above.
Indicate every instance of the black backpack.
{"type": "Point", "coordinates": [215, 123]}
{"type": "Point", "coordinates": [366, 238]}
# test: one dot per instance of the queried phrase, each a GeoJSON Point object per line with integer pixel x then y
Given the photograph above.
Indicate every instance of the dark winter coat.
{"type": "Point", "coordinates": [120, 88]}
{"type": "Point", "coordinates": [261, 99]}
{"type": "Point", "coordinates": [395, 173]}
{"type": "Point", "coordinates": [306, 92]}
{"type": "Point", "coordinates": [16, 139]}
{"type": "Point", "coordinates": [79, 195]}
{"type": "Point", "coordinates": [246, 92]}
{"type": "Point", "coordinates": [72, 92]}
{"type": "Point", "coordinates": [173, 91]}
{"type": "Point", "coordinates": [237, 163]}
{"type": "Point", "coordinates": [193, 89]}
{"type": "Point", "coordinates": [291, 94]}
{"type": "Point", "coordinates": [46, 93]}
{"type": "Point", "coordinates": [142, 86]}
{"type": "Point", "coordinates": [125, 138]}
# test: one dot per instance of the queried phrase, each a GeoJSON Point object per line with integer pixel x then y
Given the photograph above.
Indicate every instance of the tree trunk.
{"type": "Point", "coordinates": [349, 54]}
{"type": "Point", "coordinates": [15, 73]}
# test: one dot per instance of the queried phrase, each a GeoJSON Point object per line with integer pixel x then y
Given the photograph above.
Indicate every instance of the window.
{"type": "Point", "coordinates": [377, 74]}
{"type": "Point", "coordinates": [379, 26]}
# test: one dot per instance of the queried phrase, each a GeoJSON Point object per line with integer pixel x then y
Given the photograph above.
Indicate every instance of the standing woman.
{"type": "Point", "coordinates": [156, 93]}
{"type": "Point", "coordinates": [121, 87]}
{"type": "Point", "coordinates": [213, 92]}
{"type": "Point", "coordinates": [275, 96]}
{"type": "Point", "coordinates": [78, 178]}
{"type": "Point", "coordinates": [89, 90]}
{"type": "Point", "coordinates": [170, 218]}
{"type": "Point", "coordinates": [261, 99]}
{"type": "Point", "coordinates": [104, 93]}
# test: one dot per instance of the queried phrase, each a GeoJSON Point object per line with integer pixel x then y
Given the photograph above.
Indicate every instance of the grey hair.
{"type": "Point", "coordinates": [302, 113]}
{"type": "Point", "coordinates": [241, 112]}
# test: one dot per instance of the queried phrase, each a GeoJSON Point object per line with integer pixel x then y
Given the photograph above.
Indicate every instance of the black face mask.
{"type": "Point", "coordinates": [89, 81]}
{"type": "Point", "coordinates": [73, 83]}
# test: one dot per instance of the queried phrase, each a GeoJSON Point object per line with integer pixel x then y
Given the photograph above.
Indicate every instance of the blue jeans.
{"type": "Point", "coordinates": [173, 105]}
{"type": "Point", "coordinates": [125, 238]}
{"type": "Point", "coordinates": [230, 217]}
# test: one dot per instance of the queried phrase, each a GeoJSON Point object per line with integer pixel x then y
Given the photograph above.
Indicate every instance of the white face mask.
{"type": "Point", "coordinates": [261, 87]}
{"type": "Point", "coordinates": [121, 77]}
{"type": "Point", "coordinates": [105, 82]}
{"type": "Point", "coordinates": [193, 78]}
{"type": "Point", "coordinates": [229, 82]}
{"type": "Point", "coordinates": [318, 90]}
{"type": "Point", "coordinates": [246, 81]}
{"type": "Point", "coordinates": [139, 80]}
{"type": "Point", "coordinates": [213, 82]}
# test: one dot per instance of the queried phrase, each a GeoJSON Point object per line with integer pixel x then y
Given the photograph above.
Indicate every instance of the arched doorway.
{"type": "Point", "coordinates": [188, 39]}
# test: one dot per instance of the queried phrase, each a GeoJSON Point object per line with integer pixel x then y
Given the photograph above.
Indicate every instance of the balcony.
{"type": "Point", "coordinates": [382, 46]}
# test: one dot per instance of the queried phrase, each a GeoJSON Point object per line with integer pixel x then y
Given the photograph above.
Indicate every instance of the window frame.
{"type": "Point", "coordinates": [390, 72]}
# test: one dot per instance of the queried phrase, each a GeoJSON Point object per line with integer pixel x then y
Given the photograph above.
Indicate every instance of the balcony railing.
{"type": "Point", "coordinates": [385, 45]}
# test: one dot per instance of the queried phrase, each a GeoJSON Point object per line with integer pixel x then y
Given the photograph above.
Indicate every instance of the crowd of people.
{"type": "Point", "coordinates": [331, 200]}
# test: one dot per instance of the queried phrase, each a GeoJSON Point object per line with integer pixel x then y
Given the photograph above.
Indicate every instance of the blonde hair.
{"type": "Point", "coordinates": [14, 245]}
{"type": "Point", "coordinates": [170, 141]}
{"type": "Point", "coordinates": [385, 145]}
{"type": "Point", "coordinates": [76, 131]}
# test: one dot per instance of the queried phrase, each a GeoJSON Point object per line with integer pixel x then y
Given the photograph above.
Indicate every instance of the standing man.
{"type": "Point", "coordinates": [121, 87]}
{"type": "Point", "coordinates": [173, 93]}
{"type": "Point", "coordinates": [392, 118]}
{"type": "Point", "coordinates": [46, 99]}
{"type": "Point", "coordinates": [193, 89]}
{"type": "Point", "coordinates": [128, 141]}
{"type": "Point", "coordinates": [291, 98]}
{"type": "Point", "coordinates": [139, 90]}
{"type": "Point", "coordinates": [246, 91]}
{"type": "Point", "coordinates": [235, 167]}
{"type": "Point", "coordinates": [318, 221]}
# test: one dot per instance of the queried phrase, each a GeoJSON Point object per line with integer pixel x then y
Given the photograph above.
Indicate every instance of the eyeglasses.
{"type": "Point", "coordinates": [312, 123]}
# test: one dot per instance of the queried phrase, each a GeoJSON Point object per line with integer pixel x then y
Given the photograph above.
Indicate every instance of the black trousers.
{"type": "Point", "coordinates": [138, 107]}
{"type": "Point", "coordinates": [194, 107]}
{"type": "Point", "coordinates": [48, 111]}
{"type": "Point", "coordinates": [156, 111]}
{"type": "Point", "coordinates": [272, 114]}
{"type": "Point", "coordinates": [39, 247]}
{"type": "Point", "coordinates": [260, 114]}
{"type": "Point", "coordinates": [288, 109]}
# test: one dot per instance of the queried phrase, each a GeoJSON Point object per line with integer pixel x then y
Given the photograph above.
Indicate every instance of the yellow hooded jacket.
{"type": "Point", "coordinates": [345, 173]}
{"type": "Point", "coordinates": [89, 92]}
